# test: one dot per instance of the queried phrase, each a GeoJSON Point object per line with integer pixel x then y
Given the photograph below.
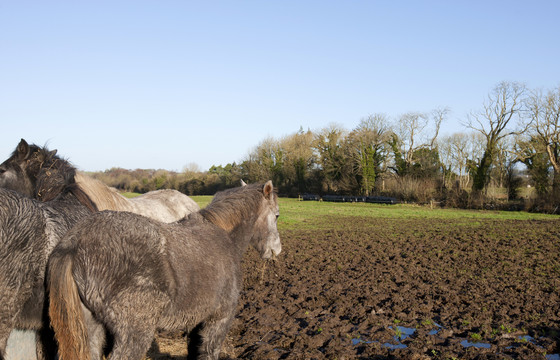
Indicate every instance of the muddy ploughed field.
{"type": "Point", "coordinates": [357, 287]}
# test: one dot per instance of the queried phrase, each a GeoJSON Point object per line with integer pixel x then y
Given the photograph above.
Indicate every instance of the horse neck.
{"type": "Point", "coordinates": [68, 199]}
{"type": "Point", "coordinates": [63, 212]}
{"type": "Point", "coordinates": [237, 222]}
{"type": "Point", "coordinates": [104, 197]}
{"type": "Point", "coordinates": [243, 233]}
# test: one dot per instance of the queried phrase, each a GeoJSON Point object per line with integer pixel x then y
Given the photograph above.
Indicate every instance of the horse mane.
{"type": "Point", "coordinates": [54, 176]}
{"type": "Point", "coordinates": [82, 197]}
{"type": "Point", "coordinates": [230, 207]}
{"type": "Point", "coordinates": [106, 198]}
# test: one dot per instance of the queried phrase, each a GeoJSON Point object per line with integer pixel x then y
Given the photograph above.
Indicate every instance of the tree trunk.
{"type": "Point", "coordinates": [556, 187]}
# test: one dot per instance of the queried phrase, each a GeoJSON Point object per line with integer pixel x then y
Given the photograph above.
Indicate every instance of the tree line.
{"type": "Point", "coordinates": [510, 145]}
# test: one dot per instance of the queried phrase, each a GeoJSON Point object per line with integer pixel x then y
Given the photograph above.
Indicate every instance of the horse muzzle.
{"type": "Point", "coordinates": [274, 247]}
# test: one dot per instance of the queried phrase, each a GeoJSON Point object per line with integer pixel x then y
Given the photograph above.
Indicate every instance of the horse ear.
{"type": "Point", "coordinates": [268, 189]}
{"type": "Point", "coordinates": [243, 183]}
{"type": "Point", "coordinates": [23, 149]}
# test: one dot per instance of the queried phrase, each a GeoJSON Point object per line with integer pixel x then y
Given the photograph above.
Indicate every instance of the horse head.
{"type": "Point", "coordinates": [16, 171]}
{"type": "Point", "coordinates": [266, 238]}
{"type": "Point", "coordinates": [35, 172]}
{"type": "Point", "coordinates": [248, 212]}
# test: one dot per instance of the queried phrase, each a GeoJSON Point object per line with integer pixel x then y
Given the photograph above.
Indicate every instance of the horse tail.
{"type": "Point", "coordinates": [65, 308]}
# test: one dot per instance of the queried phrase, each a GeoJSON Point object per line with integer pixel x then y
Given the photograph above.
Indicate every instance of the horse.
{"type": "Point", "coordinates": [38, 173]}
{"type": "Point", "coordinates": [128, 276]}
{"type": "Point", "coordinates": [165, 205]}
{"type": "Point", "coordinates": [29, 230]}
{"type": "Point", "coordinates": [19, 173]}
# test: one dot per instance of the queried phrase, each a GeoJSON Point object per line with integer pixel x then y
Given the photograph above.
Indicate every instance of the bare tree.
{"type": "Point", "coordinates": [299, 159]}
{"type": "Point", "coordinates": [504, 104]}
{"type": "Point", "coordinates": [410, 131]}
{"type": "Point", "coordinates": [439, 115]}
{"type": "Point", "coordinates": [544, 113]}
{"type": "Point", "coordinates": [450, 151]}
{"type": "Point", "coordinates": [414, 134]}
{"type": "Point", "coordinates": [457, 150]}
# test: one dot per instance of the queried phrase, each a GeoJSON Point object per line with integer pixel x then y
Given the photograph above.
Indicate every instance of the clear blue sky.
{"type": "Point", "coordinates": [162, 84]}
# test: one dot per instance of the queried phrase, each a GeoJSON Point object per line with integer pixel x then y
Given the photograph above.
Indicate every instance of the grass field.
{"type": "Point", "coordinates": [307, 214]}
{"type": "Point", "coordinates": [295, 214]}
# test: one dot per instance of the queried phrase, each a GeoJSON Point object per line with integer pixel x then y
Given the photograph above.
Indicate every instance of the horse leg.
{"type": "Point", "coordinates": [210, 335]}
{"type": "Point", "coordinates": [45, 343]}
{"type": "Point", "coordinates": [40, 347]}
{"type": "Point", "coordinates": [194, 341]}
{"type": "Point", "coordinates": [4, 334]}
{"type": "Point", "coordinates": [132, 320]}
{"type": "Point", "coordinates": [46, 347]}
{"type": "Point", "coordinates": [6, 327]}
{"type": "Point", "coordinates": [132, 345]}
{"type": "Point", "coordinates": [96, 334]}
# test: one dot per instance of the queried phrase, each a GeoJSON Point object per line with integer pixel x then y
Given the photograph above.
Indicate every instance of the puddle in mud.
{"type": "Point", "coordinates": [527, 338]}
{"type": "Point", "coordinates": [478, 345]}
{"type": "Point", "coordinates": [401, 332]}
{"type": "Point", "coordinates": [390, 346]}
{"type": "Point", "coordinates": [393, 346]}
{"type": "Point", "coordinates": [404, 332]}
{"type": "Point", "coordinates": [360, 341]}
{"type": "Point", "coordinates": [436, 330]}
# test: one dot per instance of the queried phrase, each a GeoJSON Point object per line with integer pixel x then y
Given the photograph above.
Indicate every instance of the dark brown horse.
{"type": "Point", "coordinates": [20, 173]}
{"type": "Point", "coordinates": [29, 230]}
{"type": "Point", "coordinates": [40, 174]}
{"type": "Point", "coordinates": [128, 275]}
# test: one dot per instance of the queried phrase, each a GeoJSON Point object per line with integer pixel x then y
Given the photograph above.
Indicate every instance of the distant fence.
{"type": "Point", "coordinates": [345, 198]}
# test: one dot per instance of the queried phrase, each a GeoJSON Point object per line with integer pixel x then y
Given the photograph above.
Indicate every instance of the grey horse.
{"type": "Point", "coordinates": [127, 275]}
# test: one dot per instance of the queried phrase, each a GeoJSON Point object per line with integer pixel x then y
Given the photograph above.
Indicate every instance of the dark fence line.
{"type": "Point", "coordinates": [345, 198]}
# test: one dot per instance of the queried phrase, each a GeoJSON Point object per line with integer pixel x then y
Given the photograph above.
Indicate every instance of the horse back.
{"type": "Point", "coordinates": [164, 205]}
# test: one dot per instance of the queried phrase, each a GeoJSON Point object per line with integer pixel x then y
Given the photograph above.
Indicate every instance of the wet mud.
{"type": "Point", "coordinates": [362, 288]}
